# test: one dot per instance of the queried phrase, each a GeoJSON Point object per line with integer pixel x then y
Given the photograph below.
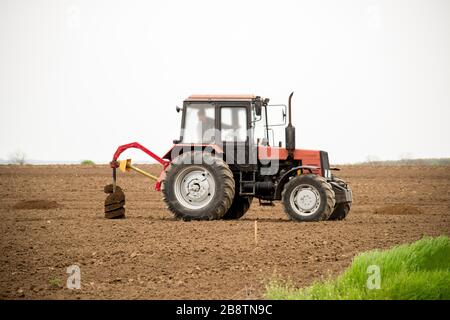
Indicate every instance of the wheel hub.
{"type": "Point", "coordinates": [305, 200]}
{"type": "Point", "coordinates": [194, 187]}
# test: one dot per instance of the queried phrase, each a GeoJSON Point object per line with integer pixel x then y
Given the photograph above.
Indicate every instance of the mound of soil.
{"type": "Point", "coordinates": [398, 209]}
{"type": "Point", "coordinates": [37, 204]}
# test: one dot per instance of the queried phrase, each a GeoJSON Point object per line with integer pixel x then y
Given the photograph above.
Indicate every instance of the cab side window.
{"type": "Point", "coordinates": [233, 124]}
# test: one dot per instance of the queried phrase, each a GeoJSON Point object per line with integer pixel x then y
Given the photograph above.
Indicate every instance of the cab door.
{"type": "Point", "coordinates": [235, 136]}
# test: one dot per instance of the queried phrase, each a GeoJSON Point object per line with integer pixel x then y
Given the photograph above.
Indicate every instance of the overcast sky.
{"type": "Point", "coordinates": [79, 78]}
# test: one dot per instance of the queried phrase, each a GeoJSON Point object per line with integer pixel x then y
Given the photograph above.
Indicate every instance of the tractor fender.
{"type": "Point", "coordinates": [180, 148]}
{"type": "Point", "coordinates": [285, 178]}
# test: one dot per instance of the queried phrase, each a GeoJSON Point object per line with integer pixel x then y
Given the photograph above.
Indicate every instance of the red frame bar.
{"type": "Point", "coordinates": [137, 145]}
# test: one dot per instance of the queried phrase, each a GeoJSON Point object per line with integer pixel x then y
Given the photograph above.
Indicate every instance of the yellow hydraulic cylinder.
{"type": "Point", "coordinates": [125, 165]}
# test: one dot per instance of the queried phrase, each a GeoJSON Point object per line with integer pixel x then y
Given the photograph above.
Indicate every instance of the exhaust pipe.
{"type": "Point", "coordinates": [290, 131]}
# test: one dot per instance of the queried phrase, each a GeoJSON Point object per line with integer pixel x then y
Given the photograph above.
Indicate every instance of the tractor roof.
{"type": "Point", "coordinates": [221, 97]}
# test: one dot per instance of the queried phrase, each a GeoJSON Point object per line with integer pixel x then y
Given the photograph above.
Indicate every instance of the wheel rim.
{"type": "Point", "coordinates": [305, 200]}
{"type": "Point", "coordinates": [195, 187]}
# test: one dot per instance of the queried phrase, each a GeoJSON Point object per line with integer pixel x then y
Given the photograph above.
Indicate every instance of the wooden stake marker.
{"type": "Point", "coordinates": [256, 232]}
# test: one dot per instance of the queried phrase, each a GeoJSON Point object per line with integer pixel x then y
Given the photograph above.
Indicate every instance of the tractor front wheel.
{"type": "Point", "coordinates": [308, 197]}
{"type": "Point", "coordinates": [198, 186]}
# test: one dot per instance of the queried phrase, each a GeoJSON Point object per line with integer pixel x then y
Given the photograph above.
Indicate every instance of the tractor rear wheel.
{"type": "Point", "coordinates": [341, 210]}
{"type": "Point", "coordinates": [238, 208]}
{"type": "Point", "coordinates": [198, 190]}
{"type": "Point", "coordinates": [308, 197]}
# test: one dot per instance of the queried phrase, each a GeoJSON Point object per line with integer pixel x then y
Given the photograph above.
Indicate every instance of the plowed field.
{"type": "Point", "coordinates": [52, 217]}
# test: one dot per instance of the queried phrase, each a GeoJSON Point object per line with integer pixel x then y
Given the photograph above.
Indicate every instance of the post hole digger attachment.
{"type": "Point", "coordinates": [227, 155]}
{"type": "Point", "coordinates": [115, 201]}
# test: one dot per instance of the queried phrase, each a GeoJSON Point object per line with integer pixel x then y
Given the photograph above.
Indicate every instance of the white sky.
{"type": "Point", "coordinates": [78, 78]}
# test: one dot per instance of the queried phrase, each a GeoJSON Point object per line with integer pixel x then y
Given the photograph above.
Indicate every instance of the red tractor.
{"type": "Point", "coordinates": [226, 156]}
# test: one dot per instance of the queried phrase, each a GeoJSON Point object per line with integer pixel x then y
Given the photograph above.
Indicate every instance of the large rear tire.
{"type": "Point", "coordinates": [341, 210]}
{"type": "Point", "coordinates": [308, 197]}
{"type": "Point", "coordinates": [238, 208]}
{"type": "Point", "coordinates": [198, 186]}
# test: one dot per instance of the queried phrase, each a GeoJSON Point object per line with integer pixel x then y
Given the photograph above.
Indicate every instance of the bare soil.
{"type": "Point", "coordinates": [149, 255]}
{"type": "Point", "coordinates": [397, 209]}
{"type": "Point", "coordinates": [36, 204]}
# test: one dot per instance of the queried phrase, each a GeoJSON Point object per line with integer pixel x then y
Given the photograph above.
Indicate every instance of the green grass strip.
{"type": "Point", "coordinates": [420, 270]}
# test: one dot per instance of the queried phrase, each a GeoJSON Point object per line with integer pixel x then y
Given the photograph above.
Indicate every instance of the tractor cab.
{"type": "Point", "coordinates": [216, 119]}
{"type": "Point", "coordinates": [237, 126]}
{"type": "Point", "coordinates": [229, 118]}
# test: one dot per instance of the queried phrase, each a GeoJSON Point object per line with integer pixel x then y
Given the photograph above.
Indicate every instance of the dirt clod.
{"type": "Point", "coordinates": [36, 204]}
